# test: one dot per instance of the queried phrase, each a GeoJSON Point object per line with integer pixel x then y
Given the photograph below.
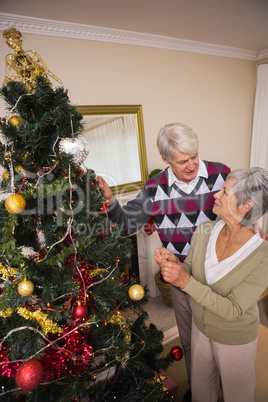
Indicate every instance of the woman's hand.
{"type": "Point", "coordinates": [172, 271]}
{"type": "Point", "coordinates": [162, 254]}
{"type": "Point", "coordinates": [174, 274]}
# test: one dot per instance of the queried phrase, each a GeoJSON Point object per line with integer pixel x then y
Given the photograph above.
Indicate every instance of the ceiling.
{"type": "Point", "coordinates": [241, 24]}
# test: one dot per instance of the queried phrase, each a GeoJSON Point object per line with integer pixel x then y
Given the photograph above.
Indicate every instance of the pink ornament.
{"type": "Point", "coordinates": [29, 374]}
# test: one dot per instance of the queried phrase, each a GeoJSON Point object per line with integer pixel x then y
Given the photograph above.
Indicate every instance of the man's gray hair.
{"type": "Point", "coordinates": [176, 136]}
{"type": "Point", "coordinates": [251, 184]}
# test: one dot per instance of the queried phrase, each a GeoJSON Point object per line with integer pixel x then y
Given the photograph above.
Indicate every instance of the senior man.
{"type": "Point", "coordinates": [178, 199]}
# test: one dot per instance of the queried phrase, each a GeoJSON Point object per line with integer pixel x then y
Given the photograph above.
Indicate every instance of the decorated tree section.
{"type": "Point", "coordinates": [65, 333]}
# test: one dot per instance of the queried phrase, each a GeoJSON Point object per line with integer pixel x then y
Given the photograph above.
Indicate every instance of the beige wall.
{"type": "Point", "coordinates": [214, 95]}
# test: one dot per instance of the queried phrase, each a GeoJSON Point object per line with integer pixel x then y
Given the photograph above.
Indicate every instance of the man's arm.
{"type": "Point", "coordinates": [133, 215]}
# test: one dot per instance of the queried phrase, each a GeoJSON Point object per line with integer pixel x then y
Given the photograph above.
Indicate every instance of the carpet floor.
{"type": "Point", "coordinates": [177, 370]}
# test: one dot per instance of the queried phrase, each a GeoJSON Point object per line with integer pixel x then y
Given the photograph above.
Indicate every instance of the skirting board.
{"type": "Point", "coordinates": [170, 334]}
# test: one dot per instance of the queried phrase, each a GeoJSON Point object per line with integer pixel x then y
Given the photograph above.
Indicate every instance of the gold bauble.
{"type": "Point", "coordinates": [5, 176]}
{"type": "Point", "coordinates": [25, 288]}
{"type": "Point", "coordinates": [15, 204]}
{"type": "Point", "coordinates": [136, 292]}
{"type": "Point", "coordinates": [15, 120]}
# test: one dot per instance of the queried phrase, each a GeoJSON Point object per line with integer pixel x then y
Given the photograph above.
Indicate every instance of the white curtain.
{"type": "Point", "coordinates": [114, 152]}
{"type": "Point", "coordinates": [259, 145]}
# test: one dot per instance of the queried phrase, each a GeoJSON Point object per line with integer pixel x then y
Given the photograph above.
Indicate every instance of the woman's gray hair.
{"type": "Point", "coordinates": [176, 136]}
{"type": "Point", "coordinates": [251, 184]}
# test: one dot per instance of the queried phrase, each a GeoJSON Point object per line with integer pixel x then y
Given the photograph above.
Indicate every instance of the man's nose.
{"type": "Point", "coordinates": [190, 164]}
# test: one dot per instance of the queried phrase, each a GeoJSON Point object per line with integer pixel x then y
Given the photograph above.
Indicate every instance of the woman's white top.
{"type": "Point", "coordinates": [214, 269]}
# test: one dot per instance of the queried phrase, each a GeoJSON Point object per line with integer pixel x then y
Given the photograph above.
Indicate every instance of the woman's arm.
{"type": "Point", "coordinates": [241, 297]}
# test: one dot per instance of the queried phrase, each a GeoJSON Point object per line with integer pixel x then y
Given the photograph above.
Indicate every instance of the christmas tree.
{"type": "Point", "coordinates": [65, 331]}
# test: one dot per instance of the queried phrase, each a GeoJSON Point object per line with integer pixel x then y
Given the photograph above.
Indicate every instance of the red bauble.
{"type": "Point", "coordinates": [162, 279]}
{"type": "Point", "coordinates": [29, 374]}
{"type": "Point", "coordinates": [80, 311]}
{"type": "Point", "coordinates": [176, 353]}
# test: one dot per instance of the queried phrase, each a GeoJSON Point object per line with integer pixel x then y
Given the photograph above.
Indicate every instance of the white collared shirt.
{"type": "Point", "coordinates": [188, 188]}
{"type": "Point", "coordinates": [214, 269]}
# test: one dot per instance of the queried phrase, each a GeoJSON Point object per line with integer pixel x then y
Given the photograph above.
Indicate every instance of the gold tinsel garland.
{"type": "Point", "coordinates": [7, 272]}
{"type": "Point", "coordinates": [6, 313]}
{"type": "Point", "coordinates": [98, 271]}
{"type": "Point", "coordinates": [48, 325]}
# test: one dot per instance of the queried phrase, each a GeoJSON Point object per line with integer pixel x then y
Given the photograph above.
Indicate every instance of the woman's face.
{"type": "Point", "coordinates": [225, 204]}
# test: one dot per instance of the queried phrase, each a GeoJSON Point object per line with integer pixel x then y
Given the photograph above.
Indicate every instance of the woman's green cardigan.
{"type": "Point", "coordinates": [226, 311]}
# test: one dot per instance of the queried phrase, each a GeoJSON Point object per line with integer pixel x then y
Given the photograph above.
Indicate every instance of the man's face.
{"type": "Point", "coordinates": [184, 166]}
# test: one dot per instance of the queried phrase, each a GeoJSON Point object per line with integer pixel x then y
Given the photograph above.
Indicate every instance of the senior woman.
{"type": "Point", "coordinates": [225, 273]}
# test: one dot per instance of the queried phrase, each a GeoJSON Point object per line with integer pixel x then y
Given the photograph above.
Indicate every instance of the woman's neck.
{"type": "Point", "coordinates": [231, 238]}
{"type": "Point", "coordinates": [234, 230]}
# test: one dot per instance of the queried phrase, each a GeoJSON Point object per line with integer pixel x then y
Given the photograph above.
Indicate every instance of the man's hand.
{"type": "Point", "coordinates": [106, 191]}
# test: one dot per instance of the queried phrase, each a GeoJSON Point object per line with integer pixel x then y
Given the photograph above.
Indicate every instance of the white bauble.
{"type": "Point", "coordinates": [77, 147]}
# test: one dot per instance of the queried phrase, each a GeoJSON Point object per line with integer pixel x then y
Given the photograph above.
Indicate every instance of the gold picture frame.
{"type": "Point", "coordinates": [100, 116]}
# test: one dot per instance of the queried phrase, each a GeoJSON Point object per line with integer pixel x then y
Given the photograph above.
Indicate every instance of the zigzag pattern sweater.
{"type": "Point", "coordinates": [175, 213]}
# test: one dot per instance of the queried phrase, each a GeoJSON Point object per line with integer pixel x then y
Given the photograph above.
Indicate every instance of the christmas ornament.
{"type": "Point", "coordinates": [48, 326]}
{"type": "Point", "coordinates": [24, 66]}
{"type": "Point", "coordinates": [15, 204]}
{"type": "Point", "coordinates": [163, 280]}
{"type": "Point", "coordinates": [77, 147]}
{"type": "Point", "coordinates": [25, 288]}
{"type": "Point", "coordinates": [7, 272]}
{"type": "Point", "coordinates": [15, 120]}
{"type": "Point", "coordinates": [136, 292]}
{"type": "Point", "coordinates": [72, 358]}
{"type": "Point", "coordinates": [7, 368]}
{"type": "Point", "coordinates": [5, 176]}
{"type": "Point", "coordinates": [80, 311]}
{"type": "Point", "coordinates": [176, 353]}
{"type": "Point", "coordinates": [29, 374]}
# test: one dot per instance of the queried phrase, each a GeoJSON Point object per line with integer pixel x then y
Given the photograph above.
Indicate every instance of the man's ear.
{"type": "Point", "coordinates": [244, 208]}
{"type": "Point", "coordinates": [164, 160]}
